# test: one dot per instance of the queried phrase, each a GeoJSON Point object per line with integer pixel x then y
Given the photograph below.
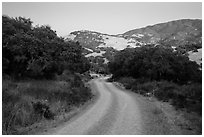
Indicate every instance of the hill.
{"type": "Point", "coordinates": [183, 35]}
{"type": "Point", "coordinates": [174, 33]}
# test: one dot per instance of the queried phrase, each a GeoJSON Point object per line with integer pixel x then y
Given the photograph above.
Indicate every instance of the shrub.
{"type": "Point", "coordinates": [193, 91]}
{"type": "Point", "coordinates": [128, 82]}
{"type": "Point", "coordinates": [148, 87]}
{"type": "Point", "coordinates": [187, 96]}
{"type": "Point", "coordinates": [165, 90]}
{"type": "Point", "coordinates": [37, 52]}
{"type": "Point", "coordinates": [43, 110]}
{"type": "Point", "coordinates": [193, 95]}
{"type": "Point", "coordinates": [25, 103]}
{"type": "Point", "coordinates": [155, 63]}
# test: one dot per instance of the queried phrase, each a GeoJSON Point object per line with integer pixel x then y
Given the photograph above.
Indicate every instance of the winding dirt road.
{"type": "Point", "coordinates": [116, 112]}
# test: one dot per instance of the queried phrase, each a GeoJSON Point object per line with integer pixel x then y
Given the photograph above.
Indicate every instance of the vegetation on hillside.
{"type": "Point", "coordinates": [37, 51]}
{"type": "Point", "coordinates": [178, 33]}
{"type": "Point", "coordinates": [155, 63]}
{"type": "Point", "coordinates": [161, 72]}
{"type": "Point", "coordinates": [42, 74]}
{"type": "Point", "coordinates": [27, 102]}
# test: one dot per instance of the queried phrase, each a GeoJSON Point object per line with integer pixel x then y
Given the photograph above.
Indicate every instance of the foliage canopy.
{"type": "Point", "coordinates": [155, 63]}
{"type": "Point", "coordinates": [37, 51]}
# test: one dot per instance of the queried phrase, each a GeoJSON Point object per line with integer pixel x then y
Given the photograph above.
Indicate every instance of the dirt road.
{"type": "Point", "coordinates": [115, 112]}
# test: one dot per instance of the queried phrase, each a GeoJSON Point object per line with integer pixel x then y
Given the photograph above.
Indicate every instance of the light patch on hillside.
{"type": "Point", "coordinates": [138, 35]}
{"type": "Point", "coordinates": [117, 43]}
{"type": "Point", "coordinates": [88, 49]}
{"type": "Point", "coordinates": [131, 40]}
{"type": "Point", "coordinates": [105, 60]}
{"type": "Point", "coordinates": [94, 54]}
{"type": "Point", "coordinates": [196, 56]}
{"type": "Point", "coordinates": [70, 36]}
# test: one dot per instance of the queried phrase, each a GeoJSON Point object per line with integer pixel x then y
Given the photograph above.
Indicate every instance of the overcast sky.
{"type": "Point", "coordinates": [110, 18]}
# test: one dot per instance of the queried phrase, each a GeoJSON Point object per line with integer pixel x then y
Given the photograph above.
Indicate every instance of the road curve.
{"type": "Point", "coordinates": [115, 112]}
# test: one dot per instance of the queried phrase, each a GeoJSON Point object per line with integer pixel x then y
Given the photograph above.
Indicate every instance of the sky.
{"type": "Point", "coordinates": [105, 17]}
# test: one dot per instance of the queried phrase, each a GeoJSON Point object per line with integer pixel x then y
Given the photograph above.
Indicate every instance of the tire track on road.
{"type": "Point", "coordinates": [105, 124]}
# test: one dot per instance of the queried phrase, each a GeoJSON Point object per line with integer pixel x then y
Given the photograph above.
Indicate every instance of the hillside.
{"type": "Point", "coordinates": [178, 32]}
{"type": "Point", "coordinates": [183, 35]}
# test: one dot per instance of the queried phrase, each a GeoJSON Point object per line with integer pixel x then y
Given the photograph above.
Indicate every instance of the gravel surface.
{"type": "Point", "coordinates": [117, 111]}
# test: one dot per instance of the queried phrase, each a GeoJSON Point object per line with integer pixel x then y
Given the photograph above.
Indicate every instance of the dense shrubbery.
{"type": "Point", "coordinates": [97, 65]}
{"type": "Point", "coordinates": [181, 96]}
{"type": "Point", "coordinates": [28, 102]}
{"type": "Point", "coordinates": [155, 63]}
{"type": "Point", "coordinates": [160, 72]}
{"type": "Point", "coordinates": [37, 51]}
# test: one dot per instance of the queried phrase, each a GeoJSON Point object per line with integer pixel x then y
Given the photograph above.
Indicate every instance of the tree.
{"type": "Point", "coordinates": [155, 63]}
{"type": "Point", "coordinates": [37, 51]}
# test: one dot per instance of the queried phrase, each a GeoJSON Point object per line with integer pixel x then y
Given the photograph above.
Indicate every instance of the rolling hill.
{"type": "Point", "coordinates": [181, 35]}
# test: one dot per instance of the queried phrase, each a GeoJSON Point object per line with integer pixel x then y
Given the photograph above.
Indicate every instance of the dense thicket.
{"type": "Point", "coordinates": [37, 51]}
{"type": "Point", "coordinates": [160, 72]}
{"type": "Point", "coordinates": [155, 63]}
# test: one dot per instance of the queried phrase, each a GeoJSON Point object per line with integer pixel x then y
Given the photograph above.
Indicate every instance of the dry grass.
{"type": "Point", "coordinates": [185, 99]}
{"type": "Point", "coordinates": [156, 111]}
{"type": "Point", "coordinates": [28, 102]}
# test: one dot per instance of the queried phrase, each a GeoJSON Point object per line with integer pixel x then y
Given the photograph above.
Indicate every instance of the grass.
{"type": "Point", "coordinates": [195, 121]}
{"type": "Point", "coordinates": [185, 98]}
{"type": "Point", "coordinates": [156, 111]}
{"type": "Point", "coordinates": [27, 102]}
